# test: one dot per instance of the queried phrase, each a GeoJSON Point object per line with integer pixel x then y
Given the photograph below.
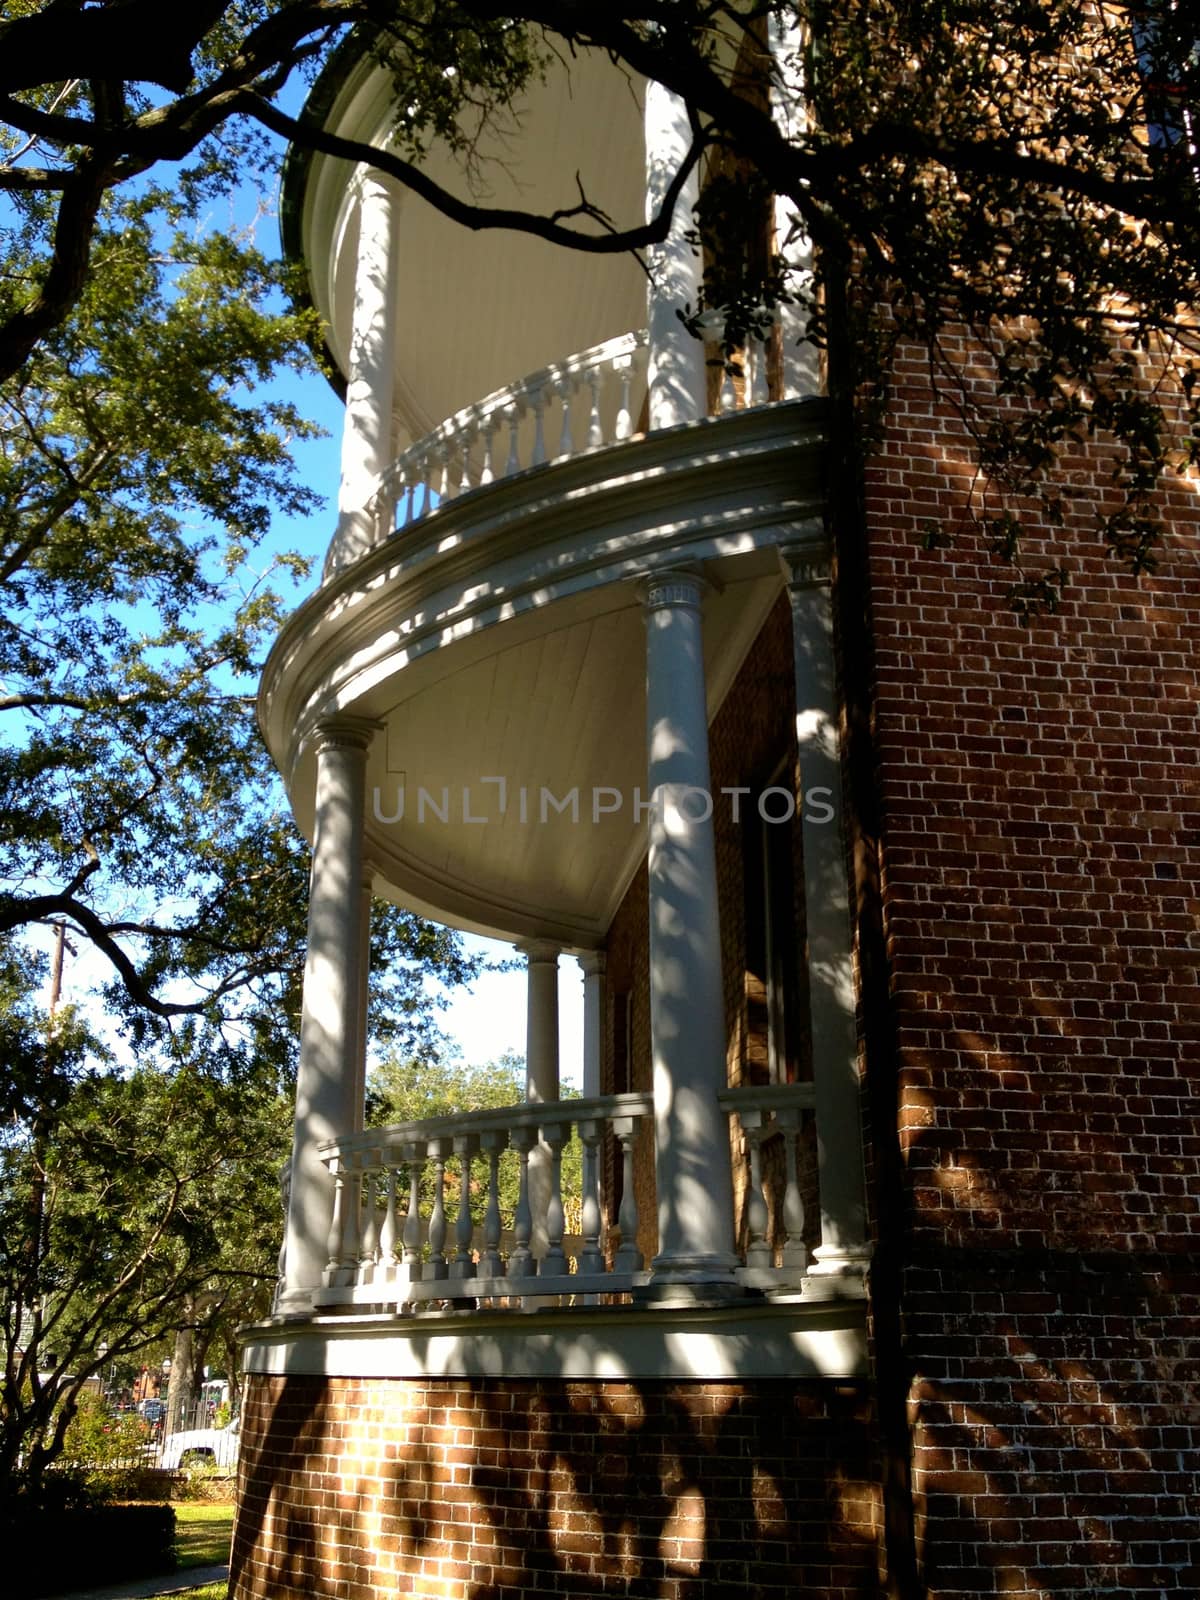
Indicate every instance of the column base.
{"type": "Point", "coordinates": [696, 1294]}
{"type": "Point", "coordinates": [680, 1279]}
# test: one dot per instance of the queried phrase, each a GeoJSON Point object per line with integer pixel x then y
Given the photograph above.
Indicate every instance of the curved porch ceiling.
{"type": "Point", "coordinates": [550, 704]}
{"type": "Point", "coordinates": [478, 310]}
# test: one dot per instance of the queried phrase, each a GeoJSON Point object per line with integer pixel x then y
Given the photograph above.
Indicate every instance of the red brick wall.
{"type": "Point", "coordinates": [495, 1490]}
{"type": "Point", "coordinates": [1042, 839]}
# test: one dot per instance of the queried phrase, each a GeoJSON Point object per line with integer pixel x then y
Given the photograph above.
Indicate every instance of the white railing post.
{"type": "Point", "coordinates": [491, 1263]}
{"type": "Point", "coordinates": [488, 472]}
{"type": "Point", "coordinates": [591, 1257]}
{"type": "Point", "coordinates": [333, 1244]}
{"type": "Point", "coordinates": [463, 1265]}
{"type": "Point", "coordinates": [538, 454]}
{"type": "Point", "coordinates": [758, 1251]}
{"type": "Point", "coordinates": [566, 389]}
{"type": "Point", "coordinates": [623, 365]}
{"type": "Point", "coordinates": [414, 1158]}
{"type": "Point", "coordinates": [389, 1233]}
{"type": "Point", "coordinates": [513, 464]}
{"type": "Point", "coordinates": [438, 1266]}
{"type": "Point", "coordinates": [794, 1255]}
{"type": "Point", "coordinates": [521, 1263]}
{"type": "Point", "coordinates": [556, 1135]}
{"type": "Point", "coordinates": [595, 435]}
{"type": "Point", "coordinates": [629, 1257]}
{"type": "Point", "coordinates": [368, 1253]}
{"type": "Point", "coordinates": [351, 1224]}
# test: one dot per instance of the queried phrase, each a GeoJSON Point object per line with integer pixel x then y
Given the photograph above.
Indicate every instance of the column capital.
{"type": "Point", "coordinates": [340, 733]}
{"type": "Point", "coordinates": [538, 950]}
{"type": "Point", "coordinates": [677, 586]}
{"type": "Point", "coordinates": [592, 962]}
{"type": "Point", "coordinates": [807, 564]}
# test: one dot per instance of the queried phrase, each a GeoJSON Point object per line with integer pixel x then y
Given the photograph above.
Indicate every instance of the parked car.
{"type": "Point", "coordinates": [196, 1445]}
{"type": "Point", "coordinates": [152, 1411]}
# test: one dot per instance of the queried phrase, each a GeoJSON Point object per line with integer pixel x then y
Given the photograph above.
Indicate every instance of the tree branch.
{"type": "Point", "coordinates": [138, 40]}
{"type": "Point", "coordinates": [465, 212]}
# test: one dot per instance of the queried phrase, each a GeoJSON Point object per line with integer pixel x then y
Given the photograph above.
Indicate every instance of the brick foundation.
{"type": "Point", "coordinates": [491, 1489]}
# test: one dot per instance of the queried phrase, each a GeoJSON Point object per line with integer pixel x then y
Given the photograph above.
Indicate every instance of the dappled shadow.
{"type": "Point", "coordinates": [494, 1488]}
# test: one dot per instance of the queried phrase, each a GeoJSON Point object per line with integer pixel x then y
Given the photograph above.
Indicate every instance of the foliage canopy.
{"type": "Point", "coordinates": [1026, 171]}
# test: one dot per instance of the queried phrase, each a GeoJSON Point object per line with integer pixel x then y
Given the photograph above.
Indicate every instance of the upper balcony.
{"type": "Point", "coordinates": [480, 593]}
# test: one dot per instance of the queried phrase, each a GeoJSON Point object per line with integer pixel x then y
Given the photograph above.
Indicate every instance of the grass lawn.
{"type": "Point", "coordinates": [206, 1591]}
{"type": "Point", "coordinates": [203, 1530]}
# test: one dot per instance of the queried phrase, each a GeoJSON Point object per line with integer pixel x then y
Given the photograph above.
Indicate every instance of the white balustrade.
{"type": "Point", "coordinates": [764, 1113]}
{"type": "Point", "coordinates": [377, 1256]}
{"type": "Point", "coordinates": [586, 402]}
{"type": "Point", "coordinates": [373, 1261]}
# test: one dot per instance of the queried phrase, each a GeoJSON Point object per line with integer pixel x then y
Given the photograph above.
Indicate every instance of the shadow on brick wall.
{"type": "Point", "coordinates": [491, 1489]}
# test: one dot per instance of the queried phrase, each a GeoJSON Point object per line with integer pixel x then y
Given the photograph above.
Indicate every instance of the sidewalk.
{"type": "Point", "coordinates": [162, 1583]}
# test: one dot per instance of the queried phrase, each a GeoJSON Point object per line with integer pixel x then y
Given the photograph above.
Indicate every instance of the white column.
{"type": "Point", "coordinates": [327, 1078]}
{"type": "Point", "coordinates": [801, 367]}
{"type": "Point", "coordinates": [365, 898]}
{"type": "Point", "coordinates": [367, 429]}
{"type": "Point", "coordinates": [843, 1250]}
{"type": "Point", "coordinates": [676, 373]}
{"type": "Point", "coordinates": [541, 1069]}
{"type": "Point", "coordinates": [687, 1018]}
{"type": "Point", "coordinates": [592, 964]}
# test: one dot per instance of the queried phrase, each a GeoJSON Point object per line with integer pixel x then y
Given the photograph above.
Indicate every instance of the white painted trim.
{"type": "Point", "coordinates": [826, 1340]}
{"type": "Point", "coordinates": [697, 492]}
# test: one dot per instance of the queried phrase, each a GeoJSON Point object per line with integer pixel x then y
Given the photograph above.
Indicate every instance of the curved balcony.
{"type": "Point", "coordinates": [389, 1249]}
{"type": "Point", "coordinates": [595, 398]}
{"type": "Point", "coordinates": [489, 623]}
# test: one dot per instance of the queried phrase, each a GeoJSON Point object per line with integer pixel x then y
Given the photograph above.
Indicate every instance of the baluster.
{"type": "Point", "coordinates": [491, 1263]}
{"type": "Point", "coordinates": [758, 372]}
{"type": "Point", "coordinates": [487, 472]}
{"type": "Point", "coordinates": [794, 1254]}
{"type": "Point", "coordinates": [513, 464]}
{"type": "Point", "coordinates": [438, 1267]}
{"type": "Point", "coordinates": [442, 457]}
{"type": "Point", "coordinates": [624, 428]}
{"type": "Point", "coordinates": [351, 1222]}
{"type": "Point", "coordinates": [555, 1134]}
{"type": "Point", "coordinates": [464, 477]}
{"type": "Point", "coordinates": [388, 1233]}
{"type": "Point", "coordinates": [521, 1263]}
{"type": "Point", "coordinates": [591, 1257]}
{"type": "Point", "coordinates": [629, 1257]}
{"type": "Point", "coordinates": [758, 1251]}
{"type": "Point", "coordinates": [539, 428]}
{"type": "Point", "coordinates": [333, 1243]}
{"type": "Point", "coordinates": [368, 1251]}
{"type": "Point", "coordinates": [426, 475]}
{"type": "Point", "coordinates": [595, 425]}
{"type": "Point", "coordinates": [414, 1156]}
{"type": "Point", "coordinates": [463, 1266]}
{"type": "Point", "coordinates": [727, 400]}
{"type": "Point", "coordinates": [567, 389]}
